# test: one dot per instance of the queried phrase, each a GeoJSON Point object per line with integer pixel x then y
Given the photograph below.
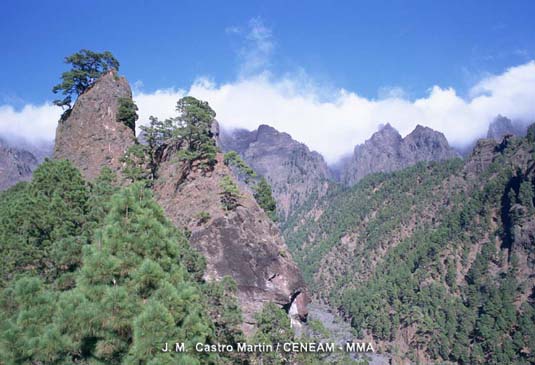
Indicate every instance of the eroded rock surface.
{"type": "Point", "coordinates": [242, 243]}
{"type": "Point", "coordinates": [293, 171]}
{"type": "Point", "coordinates": [91, 137]}
{"type": "Point", "coordinates": [387, 151]}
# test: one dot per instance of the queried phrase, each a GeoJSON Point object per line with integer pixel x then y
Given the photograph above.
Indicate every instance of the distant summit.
{"type": "Point", "coordinates": [387, 151]}
{"type": "Point", "coordinates": [502, 126]}
{"type": "Point", "coordinates": [293, 171]}
{"type": "Point", "coordinates": [16, 165]}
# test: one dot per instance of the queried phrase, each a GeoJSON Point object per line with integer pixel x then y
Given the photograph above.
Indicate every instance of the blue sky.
{"type": "Point", "coordinates": [357, 45]}
{"type": "Point", "coordinates": [327, 72]}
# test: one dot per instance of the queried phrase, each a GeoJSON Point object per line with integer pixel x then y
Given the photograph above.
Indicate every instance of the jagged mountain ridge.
{"type": "Point", "coordinates": [387, 151]}
{"type": "Point", "coordinates": [294, 172]}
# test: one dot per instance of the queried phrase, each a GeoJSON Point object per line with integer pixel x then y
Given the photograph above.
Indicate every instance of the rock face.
{"type": "Point", "coordinates": [387, 151]}
{"type": "Point", "coordinates": [91, 137]}
{"type": "Point", "coordinates": [242, 243]}
{"type": "Point", "coordinates": [293, 171]}
{"type": "Point", "coordinates": [502, 126]}
{"type": "Point", "coordinates": [16, 165]}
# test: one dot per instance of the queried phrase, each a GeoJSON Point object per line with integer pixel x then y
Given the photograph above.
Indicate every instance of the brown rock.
{"type": "Point", "coordinates": [91, 137]}
{"type": "Point", "coordinates": [242, 243]}
{"type": "Point", "coordinates": [481, 157]}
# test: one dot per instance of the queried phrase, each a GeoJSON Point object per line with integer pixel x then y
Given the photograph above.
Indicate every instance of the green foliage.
{"type": "Point", "coordinates": [203, 217]}
{"type": "Point", "coordinates": [265, 199]}
{"type": "Point", "coordinates": [137, 269]}
{"type": "Point", "coordinates": [232, 158]}
{"type": "Point", "coordinates": [127, 112]}
{"type": "Point", "coordinates": [319, 328]}
{"type": "Point", "coordinates": [189, 133]}
{"type": "Point", "coordinates": [531, 133]}
{"type": "Point", "coordinates": [230, 195]}
{"type": "Point", "coordinates": [222, 306]}
{"type": "Point", "coordinates": [136, 165]}
{"type": "Point", "coordinates": [262, 195]}
{"type": "Point", "coordinates": [412, 228]}
{"type": "Point", "coordinates": [397, 197]}
{"type": "Point", "coordinates": [195, 124]}
{"type": "Point", "coordinates": [526, 195]}
{"type": "Point", "coordinates": [273, 328]}
{"type": "Point", "coordinates": [103, 277]}
{"type": "Point", "coordinates": [86, 67]}
{"type": "Point", "coordinates": [42, 222]}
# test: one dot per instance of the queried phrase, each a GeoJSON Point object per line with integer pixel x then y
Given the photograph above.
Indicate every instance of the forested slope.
{"type": "Point", "coordinates": [436, 262]}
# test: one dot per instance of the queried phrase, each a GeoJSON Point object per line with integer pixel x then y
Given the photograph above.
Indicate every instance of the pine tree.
{"type": "Point", "coordinates": [265, 199]}
{"type": "Point", "coordinates": [42, 222]}
{"type": "Point", "coordinates": [134, 281]}
{"type": "Point", "coordinates": [86, 67]}
{"type": "Point", "coordinates": [273, 328]}
{"type": "Point", "coordinates": [127, 112]}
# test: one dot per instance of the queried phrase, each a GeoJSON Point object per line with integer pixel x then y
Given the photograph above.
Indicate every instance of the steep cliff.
{"type": "Point", "coordinates": [387, 151]}
{"type": "Point", "coordinates": [91, 137]}
{"type": "Point", "coordinates": [294, 172]}
{"type": "Point", "coordinates": [241, 243]}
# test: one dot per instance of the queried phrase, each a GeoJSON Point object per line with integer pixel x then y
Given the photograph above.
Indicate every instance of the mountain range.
{"type": "Point", "coordinates": [425, 253]}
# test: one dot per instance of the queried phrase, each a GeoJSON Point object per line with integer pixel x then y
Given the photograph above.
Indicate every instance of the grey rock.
{"type": "Point", "coordinates": [387, 151]}
{"type": "Point", "coordinates": [502, 126]}
{"type": "Point", "coordinates": [294, 172]}
{"type": "Point", "coordinates": [16, 165]}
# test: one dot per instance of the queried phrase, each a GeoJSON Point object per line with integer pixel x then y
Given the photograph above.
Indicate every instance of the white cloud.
{"type": "Point", "coordinates": [32, 122]}
{"type": "Point", "coordinates": [334, 125]}
{"type": "Point", "coordinates": [329, 120]}
{"type": "Point", "coordinates": [257, 49]}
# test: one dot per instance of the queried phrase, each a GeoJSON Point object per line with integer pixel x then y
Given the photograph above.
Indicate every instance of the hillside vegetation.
{"type": "Point", "coordinates": [435, 261]}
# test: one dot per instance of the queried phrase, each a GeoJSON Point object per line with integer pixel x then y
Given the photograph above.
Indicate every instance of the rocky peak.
{"type": "Point", "coordinates": [428, 144]}
{"type": "Point", "coordinates": [242, 243]}
{"type": "Point", "coordinates": [502, 126]}
{"type": "Point", "coordinates": [387, 151]}
{"type": "Point", "coordinates": [386, 133]}
{"type": "Point", "coordinates": [16, 164]}
{"type": "Point", "coordinates": [91, 137]}
{"type": "Point", "coordinates": [293, 171]}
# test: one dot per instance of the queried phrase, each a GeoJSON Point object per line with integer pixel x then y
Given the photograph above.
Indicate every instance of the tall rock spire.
{"type": "Point", "coordinates": [91, 137]}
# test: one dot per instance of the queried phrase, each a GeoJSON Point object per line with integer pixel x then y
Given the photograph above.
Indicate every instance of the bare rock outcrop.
{"type": "Point", "coordinates": [91, 137]}
{"type": "Point", "coordinates": [387, 151]}
{"type": "Point", "coordinates": [242, 243]}
{"type": "Point", "coordinates": [293, 171]}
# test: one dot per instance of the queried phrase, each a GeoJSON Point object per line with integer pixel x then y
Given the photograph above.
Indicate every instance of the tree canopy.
{"type": "Point", "coordinates": [86, 67]}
